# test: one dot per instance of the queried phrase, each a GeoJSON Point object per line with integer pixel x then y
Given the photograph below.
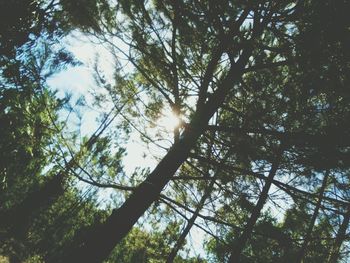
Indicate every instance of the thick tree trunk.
{"type": "Point", "coordinates": [341, 235]}
{"type": "Point", "coordinates": [307, 238]}
{"type": "Point", "coordinates": [101, 240]}
{"type": "Point", "coordinates": [241, 241]}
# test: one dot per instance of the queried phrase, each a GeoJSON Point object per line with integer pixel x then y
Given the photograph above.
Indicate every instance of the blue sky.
{"type": "Point", "coordinates": [79, 82]}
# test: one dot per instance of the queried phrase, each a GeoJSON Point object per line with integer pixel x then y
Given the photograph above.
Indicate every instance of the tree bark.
{"type": "Point", "coordinates": [190, 223]}
{"type": "Point", "coordinates": [307, 238]}
{"type": "Point", "coordinates": [196, 213]}
{"type": "Point", "coordinates": [101, 240]}
{"type": "Point", "coordinates": [341, 235]}
{"type": "Point", "coordinates": [240, 242]}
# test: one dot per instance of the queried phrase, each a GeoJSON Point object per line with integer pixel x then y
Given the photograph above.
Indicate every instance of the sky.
{"type": "Point", "coordinates": [79, 81]}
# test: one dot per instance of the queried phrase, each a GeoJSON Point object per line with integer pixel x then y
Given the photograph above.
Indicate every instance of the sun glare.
{"type": "Point", "coordinates": [169, 121]}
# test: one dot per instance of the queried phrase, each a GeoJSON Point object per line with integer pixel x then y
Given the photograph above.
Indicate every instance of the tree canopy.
{"type": "Point", "coordinates": [242, 105]}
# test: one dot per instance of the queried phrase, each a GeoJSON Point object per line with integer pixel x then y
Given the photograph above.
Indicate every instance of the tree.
{"type": "Point", "coordinates": [262, 115]}
{"type": "Point", "coordinates": [174, 51]}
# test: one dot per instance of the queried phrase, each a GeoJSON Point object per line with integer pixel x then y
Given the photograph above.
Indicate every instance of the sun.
{"type": "Point", "coordinates": [169, 120]}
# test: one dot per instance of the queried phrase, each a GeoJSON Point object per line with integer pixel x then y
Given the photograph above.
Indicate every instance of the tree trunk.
{"type": "Point", "coordinates": [240, 242]}
{"type": "Point", "coordinates": [303, 248]}
{"type": "Point", "coordinates": [190, 223]}
{"type": "Point", "coordinates": [101, 240]}
{"type": "Point", "coordinates": [341, 235]}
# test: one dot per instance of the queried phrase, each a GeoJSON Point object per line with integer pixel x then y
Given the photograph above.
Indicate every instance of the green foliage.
{"type": "Point", "coordinates": [274, 90]}
{"type": "Point", "coordinates": [151, 247]}
{"type": "Point", "coordinates": [277, 242]}
{"type": "Point", "coordinates": [22, 22]}
{"type": "Point", "coordinates": [84, 14]}
{"type": "Point", "coordinates": [28, 143]}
